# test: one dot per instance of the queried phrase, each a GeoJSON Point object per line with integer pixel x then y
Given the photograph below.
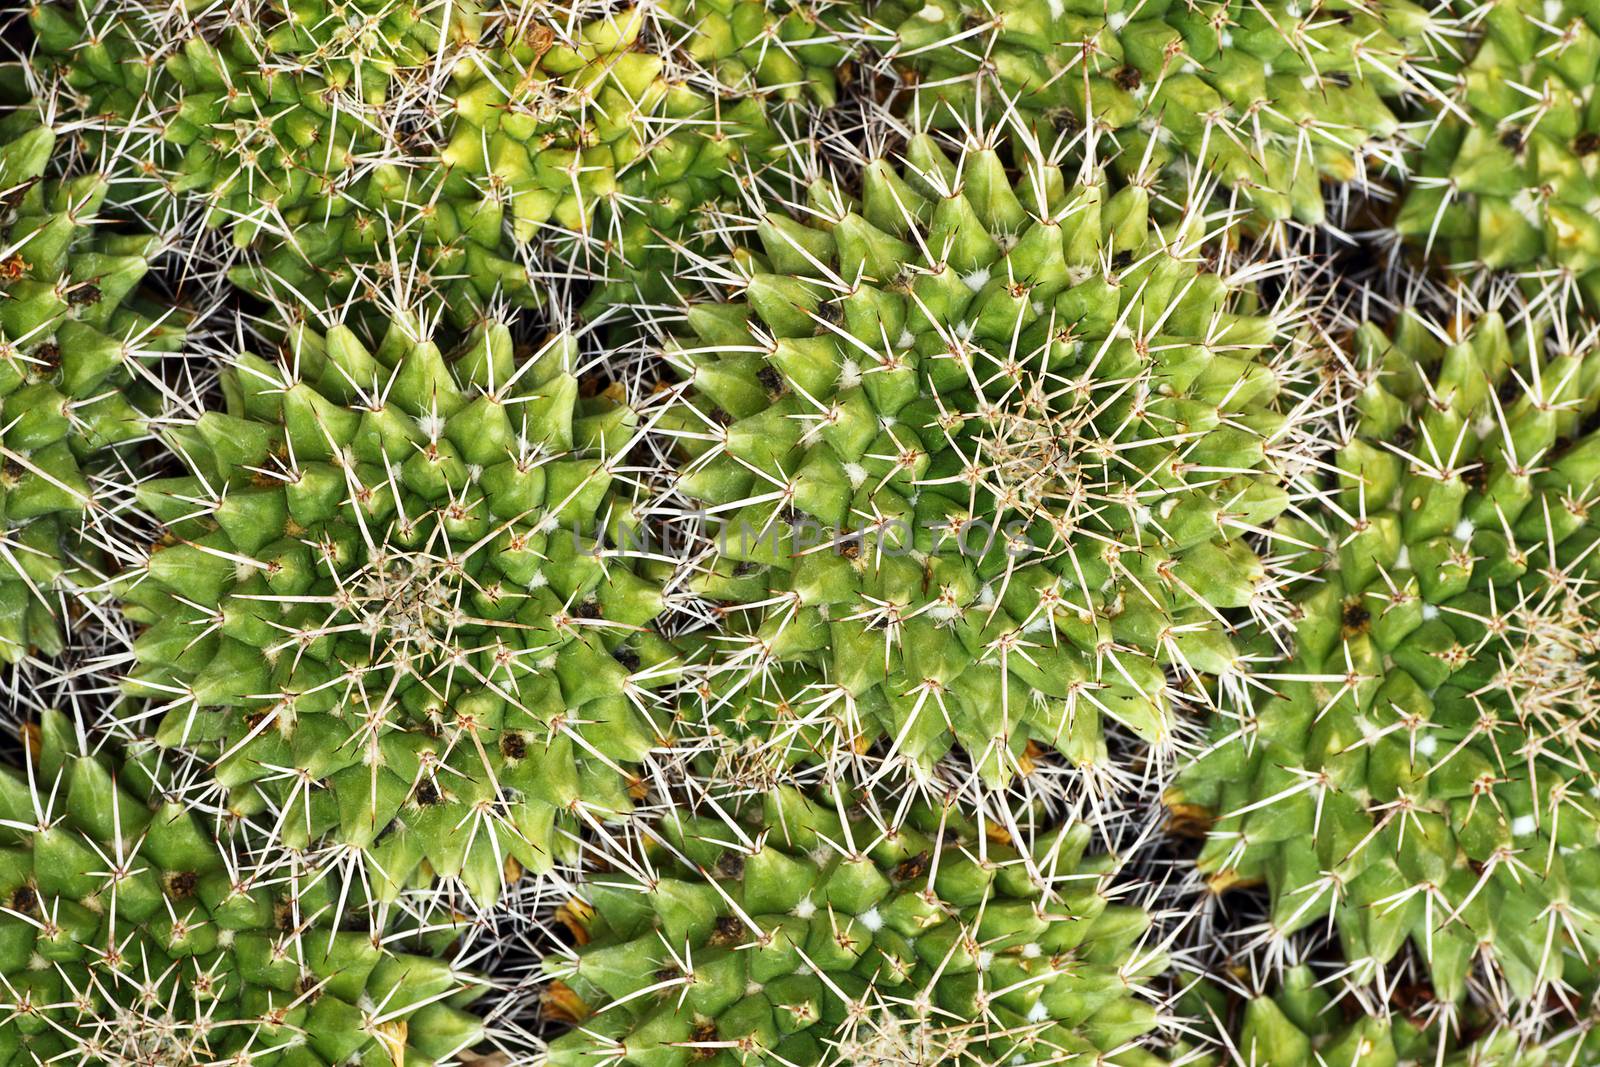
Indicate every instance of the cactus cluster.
{"type": "Point", "coordinates": [820, 533]}
{"type": "Point", "coordinates": [811, 929]}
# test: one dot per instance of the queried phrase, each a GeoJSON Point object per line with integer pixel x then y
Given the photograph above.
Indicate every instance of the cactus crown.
{"type": "Point", "coordinates": [978, 450]}
{"type": "Point", "coordinates": [398, 591]}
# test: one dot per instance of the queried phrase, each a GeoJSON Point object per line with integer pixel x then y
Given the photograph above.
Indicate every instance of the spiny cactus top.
{"type": "Point", "coordinates": [396, 599]}
{"type": "Point", "coordinates": [345, 167]}
{"type": "Point", "coordinates": [1270, 98]}
{"type": "Point", "coordinates": [1436, 739]}
{"type": "Point", "coordinates": [1508, 176]}
{"type": "Point", "coordinates": [807, 932]}
{"type": "Point", "coordinates": [605, 152]}
{"type": "Point", "coordinates": [75, 346]}
{"type": "Point", "coordinates": [128, 936]}
{"type": "Point", "coordinates": [978, 457]}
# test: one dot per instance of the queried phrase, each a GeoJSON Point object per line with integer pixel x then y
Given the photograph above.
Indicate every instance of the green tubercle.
{"type": "Point", "coordinates": [1426, 770]}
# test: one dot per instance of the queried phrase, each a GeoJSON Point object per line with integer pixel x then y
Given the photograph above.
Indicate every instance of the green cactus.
{"type": "Point", "coordinates": [397, 601]}
{"type": "Point", "coordinates": [1508, 175]}
{"type": "Point", "coordinates": [1426, 769]}
{"type": "Point", "coordinates": [976, 459]}
{"type": "Point", "coordinates": [807, 931]}
{"type": "Point", "coordinates": [292, 144]}
{"type": "Point", "coordinates": [1271, 99]}
{"type": "Point", "coordinates": [395, 158]}
{"type": "Point", "coordinates": [790, 52]}
{"type": "Point", "coordinates": [130, 935]}
{"type": "Point", "coordinates": [605, 154]}
{"type": "Point", "coordinates": [75, 385]}
{"type": "Point", "coordinates": [1301, 1024]}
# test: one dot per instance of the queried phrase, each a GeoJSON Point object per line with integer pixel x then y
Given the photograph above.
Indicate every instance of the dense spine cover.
{"type": "Point", "coordinates": [725, 516]}
{"type": "Point", "coordinates": [1426, 767]}
{"type": "Point", "coordinates": [130, 934]}
{"type": "Point", "coordinates": [79, 349]}
{"type": "Point", "coordinates": [1506, 173]}
{"type": "Point", "coordinates": [810, 929]}
{"type": "Point", "coordinates": [396, 602]}
{"type": "Point", "coordinates": [979, 455]}
{"type": "Point", "coordinates": [1270, 99]}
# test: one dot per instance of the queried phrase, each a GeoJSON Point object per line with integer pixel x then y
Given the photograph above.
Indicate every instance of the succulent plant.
{"type": "Point", "coordinates": [397, 602]}
{"type": "Point", "coordinates": [707, 506]}
{"type": "Point", "coordinates": [130, 935]}
{"type": "Point", "coordinates": [788, 52]}
{"type": "Point", "coordinates": [1507, 175]}
{"type": "Point", "coordinates": [1271, 98]}
{"type": "Point", "coordinates": [977, 458]}
{"type": "Point", "coordinates": [301, 144]}
{"type": "Point", "coordinates": [1301, 1023]}
{"type": "Point", "coordinates": [606, 152]}
{"type": "Point", "coordinates": [1426, 768]}
{"type": "Point", "coordinates": [359, 152]}
{"type": "Point", "coordinates": [76, 386]}
{"type": "Point", "coordinates": [810, 929]}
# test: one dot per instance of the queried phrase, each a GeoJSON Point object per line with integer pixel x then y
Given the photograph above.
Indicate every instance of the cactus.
{"type": "Point", "coordinates": [1434, 739]}
{"type": "Point", "coordinates": [811, 929]}
{"type": "Point", "coordinates": [1505, 176]}
{"type": "Point", "coordinates": [1270, 99]}
{"type": "Point", "coordinates": [405, 162]}
{"type": "Point", "coordinates": [129, 934]}
{"type": "Point", "coordinates": [704, 508]}
{"type": "Point", "coordinates": [977, 460]}
{"type": "Point", "coordinates": [789, 52]}
{"type": "Point", "coordinates": [1301, 1023]}
{"type": "Point", "coordinates": [298, 148]}
{"type": "Point", "coordinates": [76, 387]}
{"type": "Point", "coordinates": [397, 605]}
